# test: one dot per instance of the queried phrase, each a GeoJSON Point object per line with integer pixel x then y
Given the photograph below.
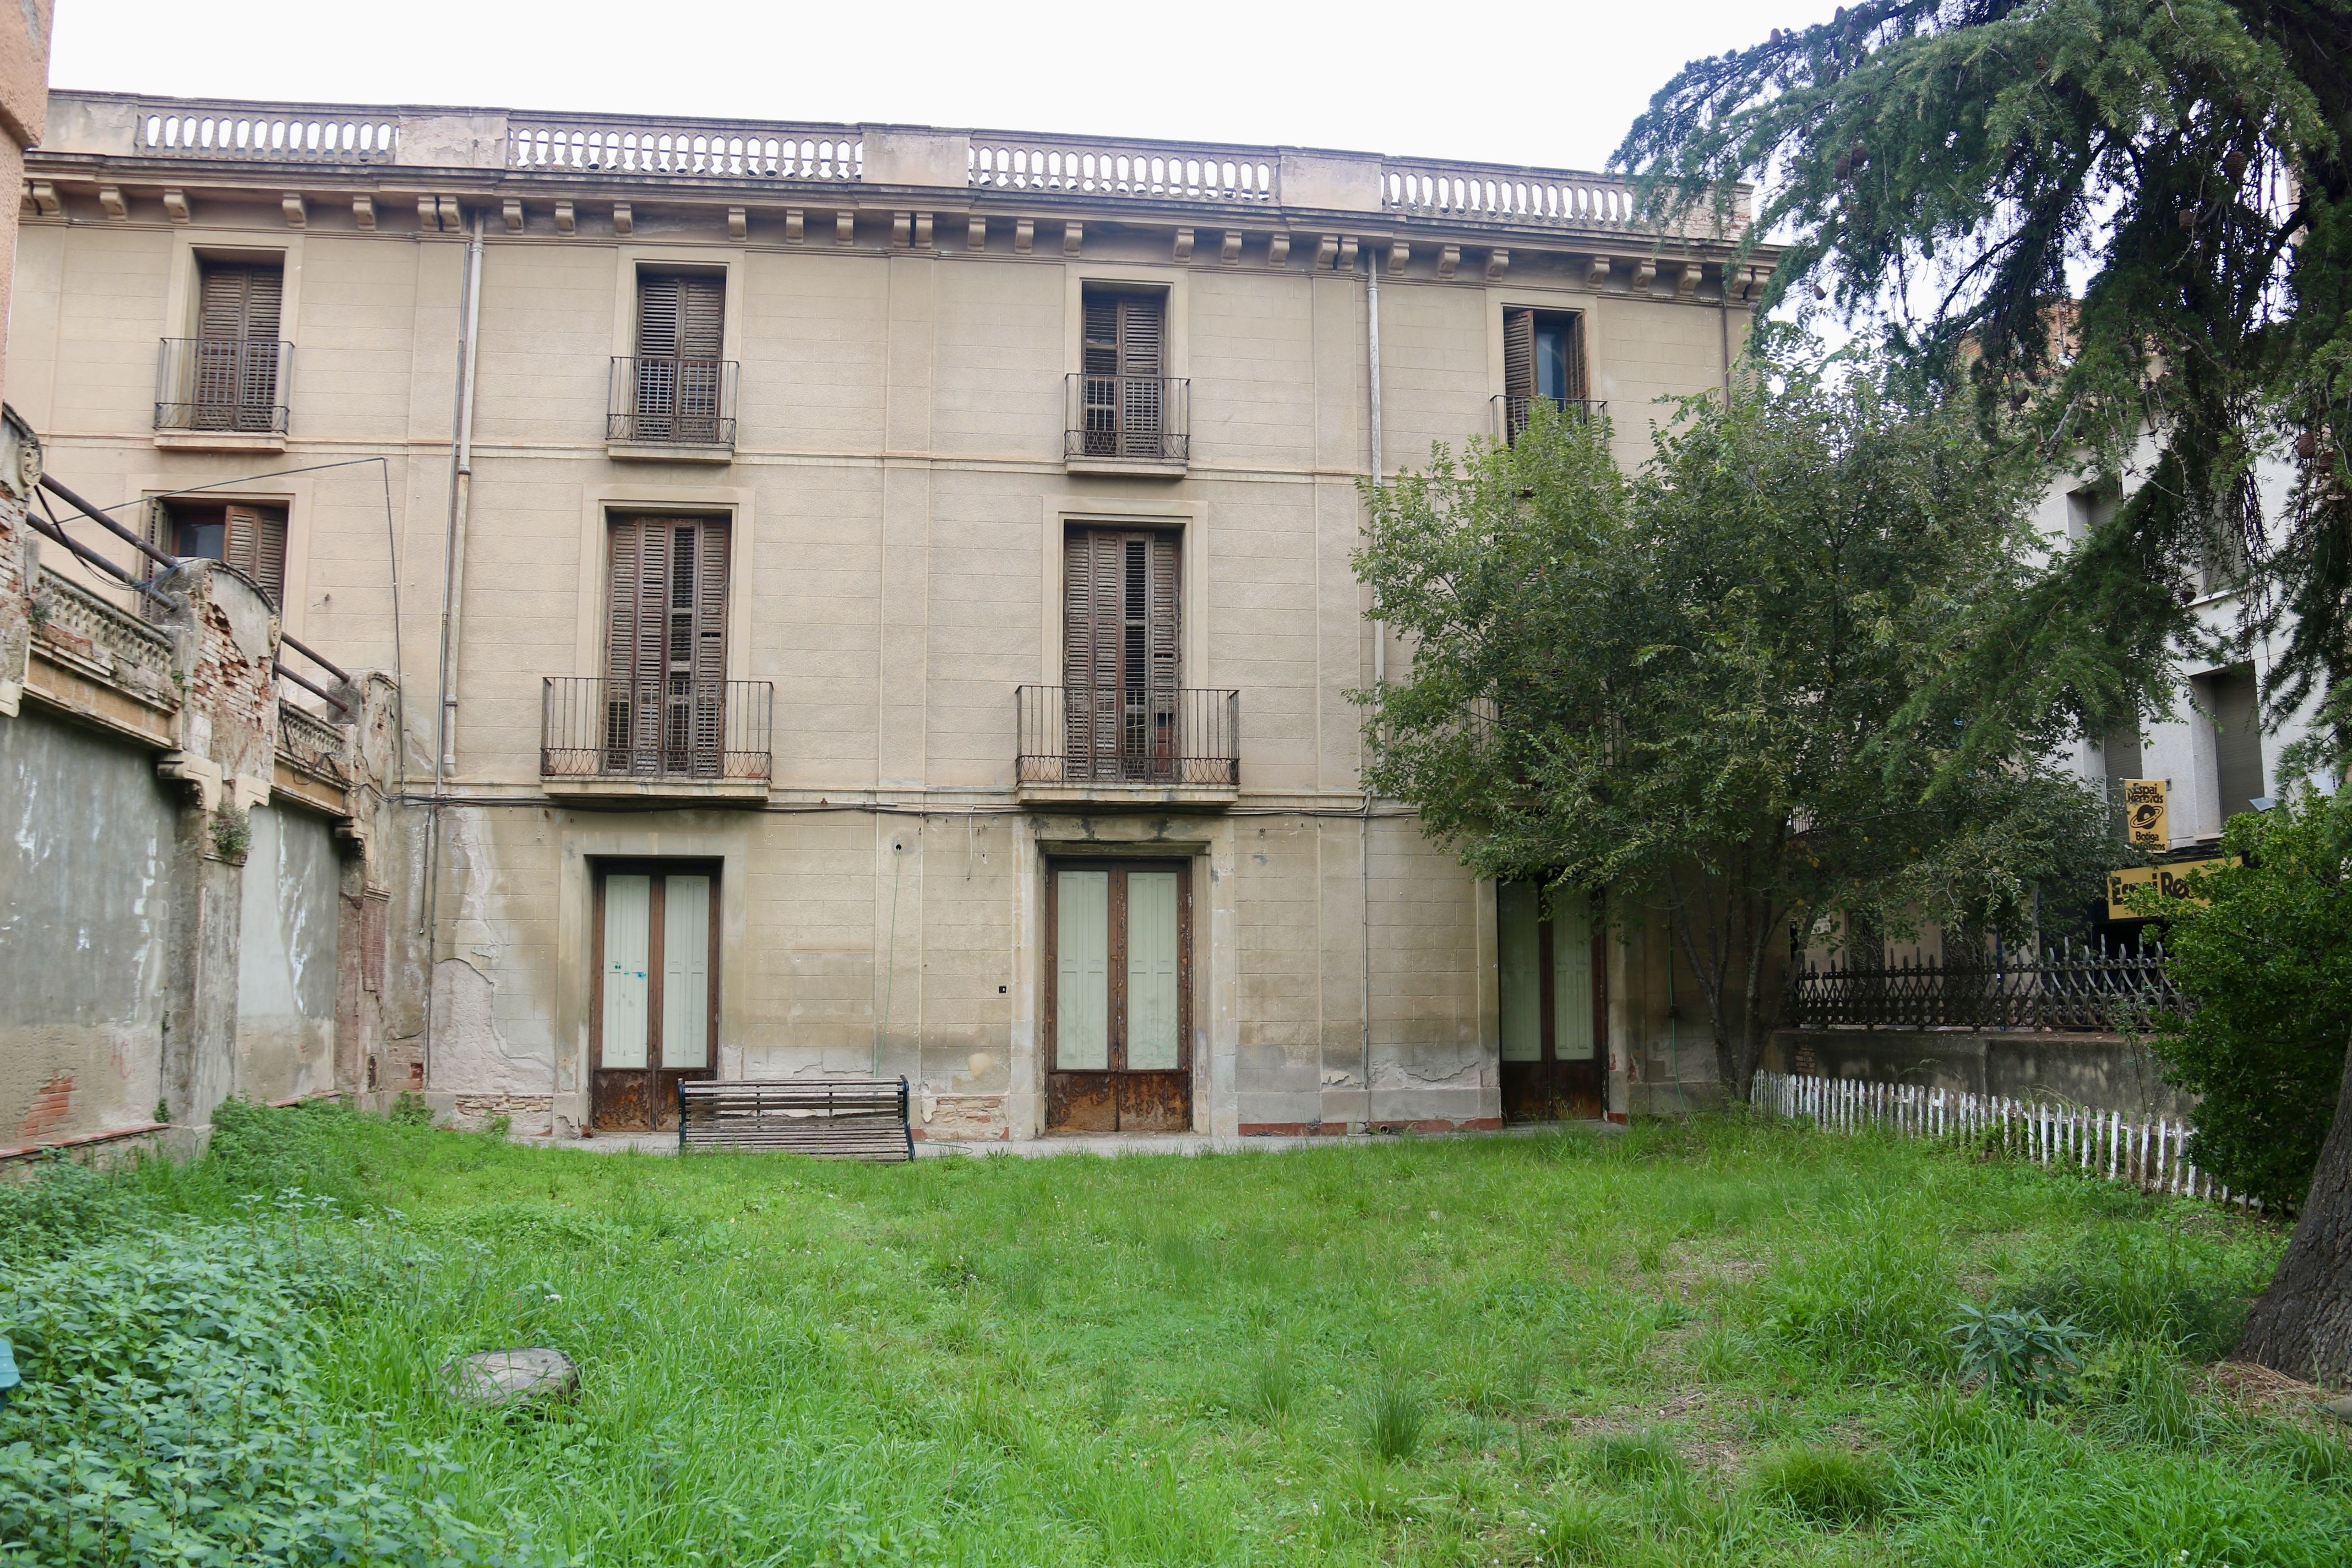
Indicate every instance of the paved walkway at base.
{"type": "Point", "coordinates": [1119, 1145]}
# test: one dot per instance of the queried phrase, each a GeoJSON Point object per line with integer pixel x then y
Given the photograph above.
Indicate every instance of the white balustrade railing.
{"type": "Point", "coordinates": [319, 136]}
{"type": "Point", "coordinates": [1164, 172]}
{"type": "Point", "coordinates": [2150, 1152]}
{"type": "Point", "coordinates": [1485, 193]}
{"type": "Point", "coordinates": [769, 151]}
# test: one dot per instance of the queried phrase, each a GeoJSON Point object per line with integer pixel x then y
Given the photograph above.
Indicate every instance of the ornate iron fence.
{"type": "Point", "coordinates": [673, 400]}
{"type": "Point", "coordinates": [1145, 416]}
{"type": "Point", "coordinates": [673, 728]}
{"type": "Point", "coordinates": [235, 384]}
{"type": "Point", "coordinates": [2071, 986]}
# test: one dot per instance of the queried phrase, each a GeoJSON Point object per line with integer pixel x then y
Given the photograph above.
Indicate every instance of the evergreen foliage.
{"type": "Point", "coordinates": [2126, 216]}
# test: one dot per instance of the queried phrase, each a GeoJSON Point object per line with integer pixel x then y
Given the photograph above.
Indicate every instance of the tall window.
{"type": "Point", "coordinates": [2234, 701]}
{"type": "Point", "coordinates": [1125, 390]}
{"type": "Point", "coordinates": [250, 538]}
{"type": "Point", "coordinates": [227, 375]}
{"type": "Point", "coordinates": [1121, 664]}
{"type": "Point", "coordinates": [665, 646]}
{"type": "Point", "coordinates": [678, 374]}
{"type": "Point", "coordinates": [1543, 358]}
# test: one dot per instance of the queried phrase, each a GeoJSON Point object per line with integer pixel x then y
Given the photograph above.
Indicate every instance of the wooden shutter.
{"type": "Point", "coordinates": [232, 366]}
{"type": "Point", "coordinates": [1141, 361]}
{"type": "Point", "coordinates": [239, 300]}
{"type": "Point", "coordinates": [253, 542]}
{"type": "Point", "coordinates": [1122, 653]}
{"type": "Point", "coordinates": [1519, 354]}
{"type": "Point", "coordinates": [665, 646]}
{"type": "Point", "coordinates": [681, 314]}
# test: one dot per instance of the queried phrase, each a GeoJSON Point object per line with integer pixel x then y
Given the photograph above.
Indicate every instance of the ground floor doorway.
{"type": "Point", "coordinates": [654, 1020]}
{"type": "Point", "coordinates": [1119, 996]}
{"type": "Point", "coordinates": [1555, 1011]}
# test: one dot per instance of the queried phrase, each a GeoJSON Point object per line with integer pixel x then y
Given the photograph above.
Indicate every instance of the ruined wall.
{"type": "Point", "coordinates": [87, 858]}
{"type": "Point", "coordinates": [286, 980]}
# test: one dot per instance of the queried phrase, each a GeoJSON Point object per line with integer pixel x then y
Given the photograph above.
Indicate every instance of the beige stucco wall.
{"type": "Point", "coordinates": [899, 497]}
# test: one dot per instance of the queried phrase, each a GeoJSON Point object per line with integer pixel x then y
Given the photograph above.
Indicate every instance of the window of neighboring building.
{"type": "Point", "coordinates": [2232, 700]}
{"type": "Point", "coordinates": [2088, 509]}
{"type": "Point", "coordinates": [228, 376]}
{"type": "Point", "coordinates": [1543, 358]}
{"type": "Point", "coordinates": [249, 537]}
{"type": "Point", "coordinates": [679, 377]}
{"type": "Point", "coordinates": [1124, 386]}
{"type": "Point", "coordinates": [665, 646]}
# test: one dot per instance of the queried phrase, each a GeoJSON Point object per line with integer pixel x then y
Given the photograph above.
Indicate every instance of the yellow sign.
{"type": "Point", "coordinates": [2172, 882]}
{"type": "Point", "coordinates": [2146, 822]}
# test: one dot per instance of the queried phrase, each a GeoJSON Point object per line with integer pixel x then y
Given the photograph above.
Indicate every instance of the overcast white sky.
{"type": "Point", "coordinates": [1502, 81]}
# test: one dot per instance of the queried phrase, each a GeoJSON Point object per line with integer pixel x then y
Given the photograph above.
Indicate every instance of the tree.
{"type": "Point", "coordinates": [1685, 686]}
{"type": "Point", "coordinates": [2188, 161]}
{"type": "Point", "coordinates": [2266, 966]}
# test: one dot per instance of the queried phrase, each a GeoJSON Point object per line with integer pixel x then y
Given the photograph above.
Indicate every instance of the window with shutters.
{"type": "Point", "coordinates": [1543, 362]}
{"type": "Point", "coordinates": [2231, 700]}
{"type": "Point", "coordinates": [1121, 659]}
{"type": "Point", "coordinates": [677, 388]}
{"type": "Point", "coordinates": [1123, 403]}
{"type": "Point", "coordinates": [247, 536]}
{"type": "Point", "coordinates": [231, 376]}
{"type": "Point", "coordinates": [664, 708]}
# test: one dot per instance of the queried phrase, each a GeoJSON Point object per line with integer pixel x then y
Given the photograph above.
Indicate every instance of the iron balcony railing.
{"type": "Point", "coordinates": [1513, 414]}
{"type": "Point", "coordinates": [2069, 986]}
{"type": "Point", "coordinates": [1148, 417]}
{"type": "Point", "coordinates": [674, 727]}
{"type": "Point", "coordinates": [235, 384]}
{"type": "Point", "coordinates": [672, 401]}
{"type": "Point", "coordinates": [1078, 734]}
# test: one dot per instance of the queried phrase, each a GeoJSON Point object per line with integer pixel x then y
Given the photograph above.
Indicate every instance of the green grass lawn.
{"type": "Point", "coordinates": [1718, 1342]}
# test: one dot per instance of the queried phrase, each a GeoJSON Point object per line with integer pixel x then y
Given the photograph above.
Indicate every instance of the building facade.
{"type": "Point", "coordinates": [866, 599]}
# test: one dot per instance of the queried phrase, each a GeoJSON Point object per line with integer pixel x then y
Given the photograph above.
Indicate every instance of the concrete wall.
{"type": "Point", "coordinates": [88, 860]}
{"type": "Point", "coordinates": [2104, 1072]}
{"type": "Point", "coordinates": [285, 982]}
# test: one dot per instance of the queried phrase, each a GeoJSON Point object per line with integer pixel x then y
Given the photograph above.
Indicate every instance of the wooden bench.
{"type": "Point", "coordinates": [832, 1119]}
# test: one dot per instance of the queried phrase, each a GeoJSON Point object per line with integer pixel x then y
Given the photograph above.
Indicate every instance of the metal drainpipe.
{"type": "Point", "coordinates": [461, 487]}
{"type": "Point", "coordinates": [1379, 660]}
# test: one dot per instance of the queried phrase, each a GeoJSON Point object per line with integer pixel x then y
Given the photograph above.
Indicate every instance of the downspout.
{"type": "Point", "coordinates": [1379, 660]}
{"type": "Point", "coordinates": [452, 583]}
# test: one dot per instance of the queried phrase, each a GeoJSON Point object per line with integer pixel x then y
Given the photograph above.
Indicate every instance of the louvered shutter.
{"type": "Point", "coordinates": [254, 543]}
{"type": "Point", "coordinates": [1518, 369]}
{"type": "Point", "coordinates": [681, 333]}
{"type": "Point", "coordinates": [666, 659]}
{"type": "Point", "coordinates": [1142, 328]}
{"type": "Point", "coordinates": [1121, 654]}
{"type": "Point", "coordinates": [1165, 673]}
{"type": "Point", "coordinates": [236, 358]}
{"type": "Point", "coordinates": [657, 339]}
{"type": "Point", "coordinates": [1101, 376]}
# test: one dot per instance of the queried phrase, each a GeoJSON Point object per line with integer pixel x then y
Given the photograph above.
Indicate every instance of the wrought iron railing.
{"type": "Point", "coordinates": [1512, 414]}
{"type": "Point", "coordinates": [1078, 734]}
{"type": "Point", "coordinates": [672, 401]}
{"type": "Point", "coordinates": [676, 727]}
{"type": "Point", "coordinates": [1143, 416]}
{"type": "Point", "coordinates": [2070, 986]}
{"type": "Point", "coordinates": [235, 384]}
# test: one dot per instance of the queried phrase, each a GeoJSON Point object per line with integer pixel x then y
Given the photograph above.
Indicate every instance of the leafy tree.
{"type": "Point", "coordinates": [2269, 971]}
{"type": "Point", "coordinates": [2186, 161]}
{"type": "Point", "coordinates": [1685, 686]}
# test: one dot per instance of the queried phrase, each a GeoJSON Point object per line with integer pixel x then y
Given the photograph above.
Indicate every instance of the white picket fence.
{"type": "Point", "coordinates": [2152, 1155]}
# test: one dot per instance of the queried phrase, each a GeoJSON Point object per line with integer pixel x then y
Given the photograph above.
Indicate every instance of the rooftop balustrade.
{"type": "Point", "coordinates": [1236, 178]}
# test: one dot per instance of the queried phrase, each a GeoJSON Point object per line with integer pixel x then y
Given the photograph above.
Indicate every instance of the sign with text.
{"type": "Point", "coordinates": [2147, 823]}
{"type": "Point", "coordinates": [2172, 882]}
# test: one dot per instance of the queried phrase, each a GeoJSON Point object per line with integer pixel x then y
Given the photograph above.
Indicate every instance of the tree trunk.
{"type": "Point", "coordinates": [2303, 1324]}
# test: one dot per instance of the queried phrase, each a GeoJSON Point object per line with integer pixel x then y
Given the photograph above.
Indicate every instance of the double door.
{"type": "Point", "coordinates": [654, 1017]}
{"type": "Point", "coordinates": [1554, 1005]}
{"type": "Point", "coordinates": [1118, 1008]}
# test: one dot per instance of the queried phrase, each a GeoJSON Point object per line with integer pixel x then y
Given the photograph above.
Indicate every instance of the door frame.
{"type": "Point", "coordinates": [601, 868]}
{"type": "Point", "coordinates": [1115, 961]}
{"type": "Point", "coordinates": [1548, 1068]}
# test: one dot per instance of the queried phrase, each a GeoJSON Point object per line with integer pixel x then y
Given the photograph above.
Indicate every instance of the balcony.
{"type": "Point", "coordinates": [1128, 425]}
{"type": "Point", "coordinates": [222, 393]}
{"type": "Point", "coordinates": [1513, 414]}
{"type": "Point", "coordinates": [674, 740]}
{"type": "Point", "coordinates": [1113, 746]}
{"type": "Point", "coordinates": [675, 409]}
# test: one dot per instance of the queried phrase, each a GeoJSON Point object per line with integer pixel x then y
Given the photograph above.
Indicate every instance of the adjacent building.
{"type": "Point", "coordinates": [863, 598]}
